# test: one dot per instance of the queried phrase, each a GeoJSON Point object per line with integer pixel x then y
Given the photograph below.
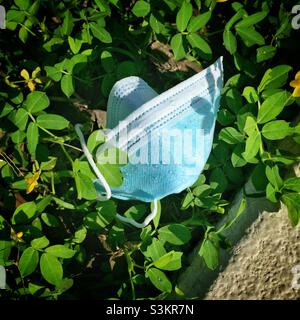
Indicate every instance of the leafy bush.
{"type": "Point", "coordinates": [59, 60]}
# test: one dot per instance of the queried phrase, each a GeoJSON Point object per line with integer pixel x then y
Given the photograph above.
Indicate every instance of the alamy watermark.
{"type": "Point", "coordinates": [296, 18]}
{"type": "Point", "coordinates": [165, 147]}
{"type": "Point", "coordinates": [2, 17]}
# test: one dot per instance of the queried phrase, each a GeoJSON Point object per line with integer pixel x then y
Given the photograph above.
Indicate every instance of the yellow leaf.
{"type": "Point", "coordinates": [31, 85]}
{"type": "Point", "coordinates": [25, 74]}
{"type": "Point", "coordinates": [32, 182]}
{"type": "Point", "coordinates": [35, 72]}
{"type": "Point", "coordinates": [19, 235]}
{"type": "Point", "coordinates": [296, 92]}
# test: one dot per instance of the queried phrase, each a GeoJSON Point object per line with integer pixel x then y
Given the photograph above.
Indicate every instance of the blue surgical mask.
{"type": "Point", "coordinates": [167, 137]}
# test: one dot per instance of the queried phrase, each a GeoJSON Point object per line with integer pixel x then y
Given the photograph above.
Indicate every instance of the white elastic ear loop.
{"type": "Point", "coordinates": [93, 164]}
{"type": "Point", "coordinates": [148, 219]}
{"type": "Point", "coordinates": [105, 185]}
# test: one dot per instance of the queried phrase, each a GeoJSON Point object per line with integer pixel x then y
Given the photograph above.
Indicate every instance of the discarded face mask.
{"type": "Point", "coordinates": [167, 137]}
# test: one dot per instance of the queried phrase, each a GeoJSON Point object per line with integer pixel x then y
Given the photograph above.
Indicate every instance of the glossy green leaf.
{"type": "Point", "coordinates": [231, 135]}
{"type": "Point", "coordinates": [170, 261]}
{"type": "Point", "coordinates": [175, 234]}
{"type": "Point", "coordinates": [28, 261]}
{"type": "Point", "coordinates": [159, 280]}
{"type": "Point", "coordinates": [230, 42]}
{"type": "Point", "coordinates": [210, 254]}
{"type": "Point", "coordinates": [177, 46]}
{"type": "Point", "coordinates": [272, 106]}
{"type": "Point", "coordinates": [60, 251]}
{"type": "Point", "coordinates": [184, 15]}
{"type": "Point", "coordinates": [36, 101]}
{"type": "Point", "coordinates": [141, 8]}
{"type": "Point", "coordinates": [51, 269]}
{"type": "Point", "coordinates": [67, 85]}
{"type": "Point", "coordinates": [32, 138]}
{"type": "Point", "coordinates": [52, 121]}
{"type": "Point", "coordinates": [197, 23]}
{"type": "Point", "coordinates": [24, 213]}
{"type": "Point", "coordinates": [276, 130]}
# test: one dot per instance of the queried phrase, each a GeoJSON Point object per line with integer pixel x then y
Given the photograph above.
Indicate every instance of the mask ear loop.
{"type": "Point", "coordinates": [106, 186]}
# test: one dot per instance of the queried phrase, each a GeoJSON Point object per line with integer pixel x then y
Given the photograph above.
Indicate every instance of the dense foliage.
{"type": "Point", "coordinates": [59, 60]}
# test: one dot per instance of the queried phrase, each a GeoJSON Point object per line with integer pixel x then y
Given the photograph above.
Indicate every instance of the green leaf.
{"type": "Point", "coordinates": [237, 159]}
{"type": "Point", "coordinates": [100, 33]}
{"type": "Point", "coordinates": [112, 174]}
{"type": "Point", "coordinates": [85, 187]}
{"type": "Point", "coordinates": [170, 261]}
{"type": "Point", "coordinates": [22, 4]}
{"type": "Point", "coordinates": [51, 269]}
{"type": "Point", "coordinates": [273, 176]}
{"type": "Point", "coordinates": [199, 22]}
{"type": "Point", "coordinates": [184, 15]}
{"type": "Point", "coordinates": [67, 85]}
{"type": "Point", "coordinates": [210, 254]}
{"type": "Point", "coordinates": [175, 234]}
{"type": "Point", "coordinates": [187, 201]}
{"type": "Point", "coordinates": [234, 19]}
{"type": "Point", "coordinates": [274, 78]}
{"type": "Point", "coordinates": [40, 243]}
{"type": "Point", "coordinates": [95, 139]}
{"type": "Point", "coordinates": [259, 178]}
{"type": "Point", "coordinates": [50, 220]}
{"type": "Point", "coordinates": [141, 8]}
{"type": "Point", "coordinates": [28, 261]}
{"type": "Point", "coordinates": [159, 280]}
{"type": "Point", "coordinates": [231, 135]}
{"type": "Point", "coordinates": [104, 215]}
{"type": "Point", "coordinates": [24, 212]}
{"type": "Point", "coordinates": [218, 180]}
{"type": "Point", "coordinates": [80, 234]}
{"type": "Point", "coordinates": [250, 36]}
{"type": "Point", "coordinates": [68, 24]}
{"type": "Point", "coordinates": [292, 201]}
{"type": "Point", "coordinates": [32, 138]}
{"type": "Point", "coordinates": [107, 61]}
{"type": "Point", "coordinates": [265, 53]}
{"type": "Point", "coordinates": [21, 118]}
{"type": "Point", "coordinates": [253, 143]}
{"type": "Point", "coordinates": [250, 94]}
{"type": "Point", "coordinates": [229, 40]}
{"type": "Point", "coordinates": [197, 42]}
{"type": "Point", "coordinates": [53, 73]}
{"type": "Point", "coordinates": [251, 20]}
{"type": "Point", "coordinates": [276, 130]}
{"type": "Point", "coordinates": [75, 44]}
{"type": "Point", "coordinates": [156, 24]}
{"type": "Point", "coordinates": [155, 250]}
{"type": "Point", "coordinates": [292, 184]}
{"type": "Point", "coordinates": [234, 100]}
{"type": "Point", "coordinates": [52, 121]}
{"type": "Point", "coordinates": [7, 108]}
{"type": "Point", "coordinates": [23, 34]}
{"type": "Point", "coordinates": [60, 251]}
{"type": "Point", "coordinates": [177, 46]}
{"type": "Point", "coordinates": [273, 106]}
{"type": "Point", "coordinates": [36, 101]}
{"type": "Point", "coordinates": [271, 193]}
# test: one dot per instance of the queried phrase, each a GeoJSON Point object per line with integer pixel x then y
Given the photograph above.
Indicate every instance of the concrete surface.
{"type": "Point", "coordinates": [264, 263]}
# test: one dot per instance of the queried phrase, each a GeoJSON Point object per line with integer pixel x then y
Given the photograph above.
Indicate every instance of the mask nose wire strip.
{"type": "Point", "coordinates": [105, 185]}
